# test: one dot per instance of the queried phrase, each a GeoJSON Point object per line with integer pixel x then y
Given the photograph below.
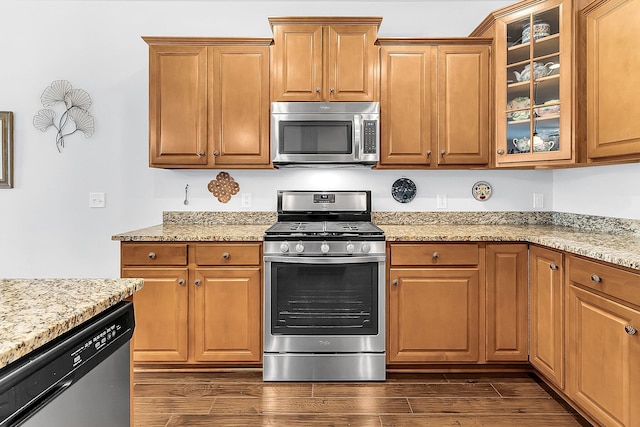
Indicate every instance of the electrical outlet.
{"type": "Point", "coordinates": [441, 201]}
{"type": "Point", "coordinates": [538, 200]}
{"type": "Point", "coordinates": [96, 200]}
{"type": "Point", "coordinates": [246, 200]}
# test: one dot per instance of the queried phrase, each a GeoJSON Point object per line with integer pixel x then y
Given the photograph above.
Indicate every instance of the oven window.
{"type": "Point", "coordinates": [324, 299]}
{"type": "Point", "coordinates": [314, 137]}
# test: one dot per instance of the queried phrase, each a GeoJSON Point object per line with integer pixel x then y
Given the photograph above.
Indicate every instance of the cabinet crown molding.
{"type": "Point", "coordinates": [326, 20]}
{"type": "Point", "coordinates": [207, 41]}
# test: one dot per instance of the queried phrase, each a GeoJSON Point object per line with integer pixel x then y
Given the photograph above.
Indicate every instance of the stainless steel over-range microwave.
{"type": "Point", "coordinates": [325, 133]}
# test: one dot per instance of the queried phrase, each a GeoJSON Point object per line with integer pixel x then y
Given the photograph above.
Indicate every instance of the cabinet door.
{"type": "Point", "coordinates": [161, 310]}
{"type": "Point", "coordinates": [534, 86]}
{"type": "Point", "coordinates": [463, 105]}
{"type": "Point", "coordinates": [603, 359]}
{"type": "Point", "coordinates": [239, 105]}
{"type": "Point", "coordinates": [227, 315]}
{"type": "Point", "coordinates": [612, 79]}
{"type": "Point", "coordinates": [177, 106]}
{"type": "Point", "coordinates": [507, 303]}
{"type": "Point", "coordinates": [433, 315]}
{"type": "Point", "coordinates": [547, 313]}
{"type": "Point", "coordinates": [408, 77]}
{"type": "Point", "coordinates": [297, 63]}
{"type": "Point", "coordinates": [352, 63]}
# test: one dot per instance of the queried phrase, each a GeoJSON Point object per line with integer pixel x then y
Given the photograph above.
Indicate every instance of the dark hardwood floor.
{"type": "Point", "coordinates": [242, 399]}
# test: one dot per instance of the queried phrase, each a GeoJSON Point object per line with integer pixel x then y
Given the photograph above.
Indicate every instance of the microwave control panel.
{"type": "Point", "coordinates": [369, 146]}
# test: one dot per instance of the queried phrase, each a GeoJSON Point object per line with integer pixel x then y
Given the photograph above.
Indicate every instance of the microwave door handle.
{"type": "Point", "coordinates": [357, 132]}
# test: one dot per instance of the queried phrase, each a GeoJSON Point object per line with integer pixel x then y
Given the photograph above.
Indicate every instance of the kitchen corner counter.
{"type": "Point", "coordinates": [195, 233]}
{"type": "Point", "coordinates": [619, 249]}
{"type": "Point", "coordinates": [35, 311]}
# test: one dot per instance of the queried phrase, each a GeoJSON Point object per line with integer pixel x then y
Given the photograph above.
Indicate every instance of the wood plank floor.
{"type": "Point", "coordinates": [243, 399]}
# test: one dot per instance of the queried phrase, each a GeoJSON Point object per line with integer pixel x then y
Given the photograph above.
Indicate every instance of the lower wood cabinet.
{"type": "Point", "coordinates": [603, 341]}
{"type": "Point", "coordinates": [457, 302]}
{"type": "Point", "coordinates": [506, 299]}
{"type": "Point", "coordinates": [433, 303]}
{"type": "Point", "coordinates": [200, 304]}
{"type": "Point", "coordinates": [546, 278]}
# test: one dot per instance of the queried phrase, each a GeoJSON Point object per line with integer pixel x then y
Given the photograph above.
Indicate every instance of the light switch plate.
{"type": "Point", "coordinates": [538, 200]}
{"type": "Point", "coordinates": [441, 201]}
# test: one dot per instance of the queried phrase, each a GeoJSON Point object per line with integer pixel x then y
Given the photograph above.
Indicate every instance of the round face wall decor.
{"type": "Point", "coordinates": [481, 191]}
{"type": "Point", "coordinates": [403, 190]}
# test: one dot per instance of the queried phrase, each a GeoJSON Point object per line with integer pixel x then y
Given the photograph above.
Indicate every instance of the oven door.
{"type": "Point", "coordinates": [324, 304]}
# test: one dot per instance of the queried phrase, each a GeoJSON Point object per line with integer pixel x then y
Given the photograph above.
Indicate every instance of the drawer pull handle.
{"type": "Point", "coordinates": [553, 266]}
{"type": "Point", "coordinates": [595, 278]}
{"type": "Point", "coordinates": [226, 255]}
{"type": "Point", "coordinates": [197, 282]}
{"type": "Point", "coordinates": [630, 330]}
{"type": "Point", "coordinates": [435, 255]}
{"type": "Point", "coordinates": [181, 282]}
{"type": "Point", "coordinates": [152, 255]}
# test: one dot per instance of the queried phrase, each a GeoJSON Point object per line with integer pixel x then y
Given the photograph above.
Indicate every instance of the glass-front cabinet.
{"type": "Point", "coordinates": [533, 85]}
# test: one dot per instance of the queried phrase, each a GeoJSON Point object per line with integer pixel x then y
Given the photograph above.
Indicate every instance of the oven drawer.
{"type": "Point", "coordinates": [612, 281]}
{"type": "Point", "coordinates": [434, 254]}
{"type": "Point", "coordinates": [154, 254]}
{"type": "Point", "coordinates": [227, 254]}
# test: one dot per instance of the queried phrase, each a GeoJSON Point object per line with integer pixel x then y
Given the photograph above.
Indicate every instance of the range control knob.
{"type": "Point", "coordinates": [350, 248]}
{"type": "Point", "coordinates": [366, 248]}
{"type": "Point", "coordinates": [284, 247]}
{"type": "Point", "coordinates": [324, 247]}
{"type": "Point", "coordinates": [299, 247]}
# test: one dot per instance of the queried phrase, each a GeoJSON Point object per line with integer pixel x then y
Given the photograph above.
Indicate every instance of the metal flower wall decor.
{"type": "Point", "coordinates": [76, 109]}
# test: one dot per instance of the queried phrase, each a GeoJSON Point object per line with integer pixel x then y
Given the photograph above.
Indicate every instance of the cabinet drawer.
{"type": "Point", "coordinates": [613, 281]}
{"type": "Point", "coordinates": [154, 254]}
{"type": "Point", "coordinates": [434, 254]}
{"type": "Point", "coordinates": [228, 254]}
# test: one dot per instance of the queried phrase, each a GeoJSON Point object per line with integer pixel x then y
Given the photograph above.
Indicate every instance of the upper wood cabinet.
{"type": "Point", "coordinates": [208, 102]}
{"type": "Point", "coordinates": [325, 59]}
{"type": "Point", "coordinates": [612, 80]}
{"type": "Point", "coordinates": [534, 99]}
{"type": "Point", "coordinates": [434, 102]}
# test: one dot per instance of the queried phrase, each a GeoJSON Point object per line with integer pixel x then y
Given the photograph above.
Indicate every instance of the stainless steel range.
{"type": "Point", "coordinates": [324, 289]}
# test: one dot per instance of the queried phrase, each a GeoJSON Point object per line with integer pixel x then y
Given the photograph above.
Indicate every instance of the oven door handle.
{"type": "Point", "coordinates": [324, 259]}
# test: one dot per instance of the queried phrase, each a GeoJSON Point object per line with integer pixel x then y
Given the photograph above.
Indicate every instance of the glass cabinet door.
{"type": "Point", "coordinates": [534, 100]}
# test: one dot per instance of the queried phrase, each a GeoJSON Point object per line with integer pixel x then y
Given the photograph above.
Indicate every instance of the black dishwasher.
{"type": "Point", "coordinates": [81, 378]}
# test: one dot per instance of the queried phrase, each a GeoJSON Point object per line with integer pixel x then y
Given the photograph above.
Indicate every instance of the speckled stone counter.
{"type": "Point", "coordinates": [36, 311]}
{"type": "Point", "coordinates": [607, 239]}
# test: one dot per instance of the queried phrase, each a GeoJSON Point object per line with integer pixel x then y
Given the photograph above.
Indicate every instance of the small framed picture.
{"type": "Point", "coordinates": [6, 147]}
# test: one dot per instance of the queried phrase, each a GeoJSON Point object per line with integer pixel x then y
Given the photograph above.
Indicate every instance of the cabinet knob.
{"type": "Point", "coordinates": [553, 266]}
{"type": "Point", "coordinates": [428, 153]}
{"type": "Point", "coordinates": [395, 282]}
{"type": "Point", "coordinates": [200, 153]}
{"type": "Point", "coordinates": [595, 278]}
{"type": "Point", "coordinates": [500, 151]}
{"type": "Point", "coordinates": [225, 255]}
{"type": "Point", "coordinates": [196, 282]}
{"type": "Point", "coordinates": [152, 255]}
{"type": "Point", "coordinates": [630, 330]}
{"type": "Point", "coordinates": [216, 153]}
{"type": "Point", "coordinates": [181, 282]}
{"type": "Point", "coordinates": [442, 153]}
{"type": "Point", "coordinates": [332, 91]}
{"type": "Point", "coordinates": [318, 90]}
{"type": "Point", "coordinates": [435, 255]}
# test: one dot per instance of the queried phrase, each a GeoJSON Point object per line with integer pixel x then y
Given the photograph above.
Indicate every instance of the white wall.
{"type": "Point", "coordinates": [46, 226]}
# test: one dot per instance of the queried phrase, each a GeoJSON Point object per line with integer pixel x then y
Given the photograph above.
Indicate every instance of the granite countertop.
{"type": "Point", "coordinates": [36, 311]}
{"type": "Point", "coordinates": [613, 240]}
